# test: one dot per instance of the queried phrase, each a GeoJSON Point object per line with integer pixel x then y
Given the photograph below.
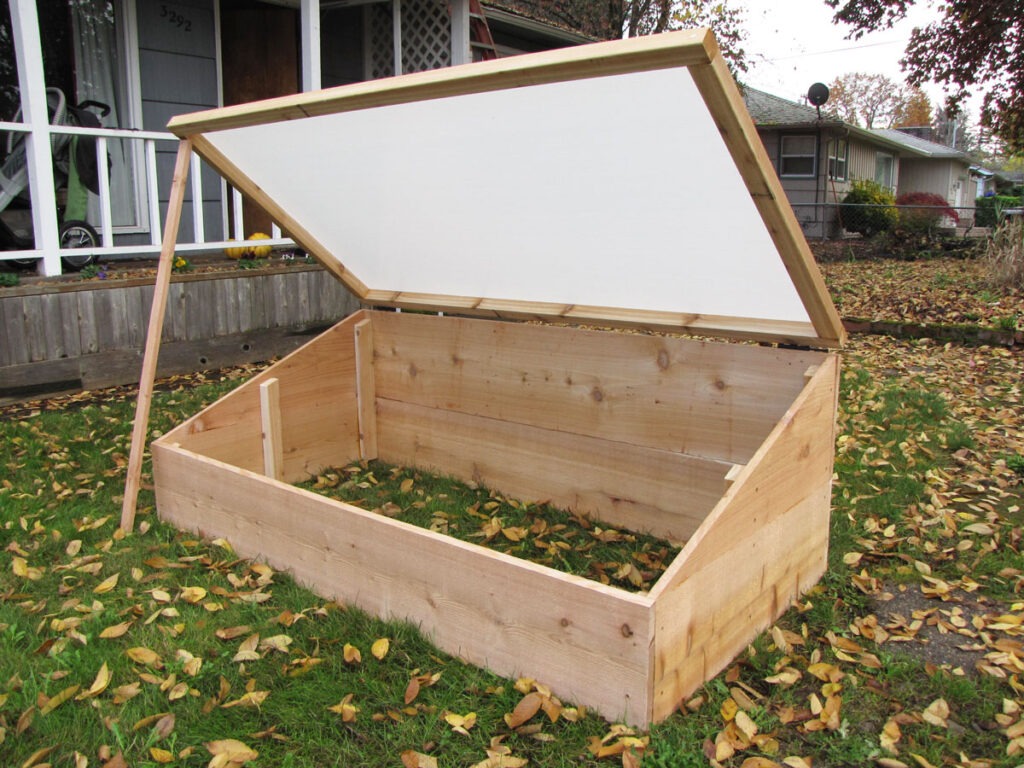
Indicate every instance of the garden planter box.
{"type": "Point", "coordinates": [507, 191]}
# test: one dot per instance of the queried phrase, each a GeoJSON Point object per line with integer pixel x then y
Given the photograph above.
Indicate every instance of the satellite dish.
{"type": "Point", "coordinates": [817, 94]}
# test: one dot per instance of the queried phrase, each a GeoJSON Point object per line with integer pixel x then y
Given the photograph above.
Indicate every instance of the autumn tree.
{"type": "Point", "coordinates": [631, 18]}
{"type": "Point", "coordinates": [953, 130]}
{"type": "Point", "coordinates": [726, 22]}
{"type": "Point", "coordinates": [867, 100]}
{"type": "Point", "coordinates": [603, 20]}
{"type": "Point", "coordinates": [915, 110]}
{"type": "Point", "coordinates": [974, 44]}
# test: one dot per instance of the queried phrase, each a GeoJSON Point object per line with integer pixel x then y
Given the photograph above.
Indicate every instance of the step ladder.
{"type": "Point", "coordinates": [481, 42]}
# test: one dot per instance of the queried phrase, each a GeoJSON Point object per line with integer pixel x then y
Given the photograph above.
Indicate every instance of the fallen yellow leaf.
{"type": "Point", "coordinates": [193, 595]}
{"type": "Point", "coordinates": [346, 709]}
{"type": "Point", "coordinates": [106, 585]}
{"type": "Point", "coordinates": [528, 706]}
{"type": "Point", "coordinates": [228, 752]}
{"type": "Point", "coordinates": [142, 655]}
{"type": "Point", "coordinates": [249, 699]}
{"type": "Point", "coordinates": [59, 699]}
{"type": "Point", "coordinates": [380, 648]}
{"type": "Point", "coordinates": [116, 630]}
{"type": "Point", "coordinates": [161, 755]}
{"type": "Point", "coordinates": [414, 759]}
{"type": "Point", "coordinates": [99, 685]}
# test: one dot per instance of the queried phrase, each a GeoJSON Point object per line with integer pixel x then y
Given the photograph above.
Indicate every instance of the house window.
{"type": "Point", "coordinates": [797, 155]}
{"type": "Point", "coordinates": [885, 167]}
{"type": "Point", "coordinates": [838, 154]}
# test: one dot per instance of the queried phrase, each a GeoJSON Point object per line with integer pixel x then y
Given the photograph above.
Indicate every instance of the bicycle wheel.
{"type": "Point", "coordinates": [78, 234]}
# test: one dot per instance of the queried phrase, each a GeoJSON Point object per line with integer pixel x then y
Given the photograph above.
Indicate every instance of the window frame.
{"type": "Point", "coordinates": [889, 183]}
{"type": "Point", "coordinates": [834, 160]}
{"type": "Point", "coordinates": [784, 156]}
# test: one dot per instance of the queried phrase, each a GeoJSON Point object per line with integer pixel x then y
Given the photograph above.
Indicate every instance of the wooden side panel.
{"type": "Point", "coordinates": [718, 401]}
{"type": "Point", "coordinates": [318, 412]}
{"type": "Point", "coordinates": [766, 542]}
{"type": "Point", "coordinates": [591, 643]}
{"type": "Point", "coordinates": [643, 489]}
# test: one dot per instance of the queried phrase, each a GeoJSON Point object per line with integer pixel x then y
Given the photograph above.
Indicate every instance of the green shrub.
{"type": "Point", "coordinates": [989, 209]}
{"type": "Point", "coordinates": [9, 279]}
{"type": "Point", "coordinates": [868, 208]}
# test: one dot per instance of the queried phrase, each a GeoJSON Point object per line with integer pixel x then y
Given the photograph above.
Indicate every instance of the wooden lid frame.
{"type": "Point", "coordinates": [252, 145]}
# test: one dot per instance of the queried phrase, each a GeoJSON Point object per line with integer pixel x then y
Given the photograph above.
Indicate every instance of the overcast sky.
{"type": "Point", "coordinates": [793, 43]}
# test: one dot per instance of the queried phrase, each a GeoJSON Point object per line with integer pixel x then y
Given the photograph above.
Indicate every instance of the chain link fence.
{"type": "Point", "coordinates": [829, 221]}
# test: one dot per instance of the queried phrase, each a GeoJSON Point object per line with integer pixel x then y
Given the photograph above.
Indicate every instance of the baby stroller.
{"type": "Point", "coordinates": [75, 175]}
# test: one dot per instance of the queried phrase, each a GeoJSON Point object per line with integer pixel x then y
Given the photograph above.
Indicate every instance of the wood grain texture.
{"type": "Point", "coordinates": [716, 401]}
{"type": "Point", "coordinates": [764, 543]}
{"type": "Point", "coordinates": [156, 321]}
{"type": "Point", "coordinates": [737, 328]}
{"type": "Point", "coordinates": [588, 642]}
{"type": "Point", "coordinates": [642, 489]}
{"type": "Point", "coordinates": [674, 49]}
{"type": "Point", "coordinates": [319, 417]}
{"type": "Point", "coordinates": [540, 413]}
{"type": "Point", "coordinates": [725, 102]}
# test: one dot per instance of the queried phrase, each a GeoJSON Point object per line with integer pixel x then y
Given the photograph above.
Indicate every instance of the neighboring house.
{"type": "Point", "coordinates": [153, 60]}
{"type": "Point", "coordinates": [984, 181]}
{"type": "Point", "coordinates": [926, 166]}
{"type": "Point", "coordinates": [818, 158]}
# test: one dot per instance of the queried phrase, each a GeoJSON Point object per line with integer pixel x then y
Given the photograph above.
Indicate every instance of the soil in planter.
{"type": "Point", "coordinates": [537, 532]}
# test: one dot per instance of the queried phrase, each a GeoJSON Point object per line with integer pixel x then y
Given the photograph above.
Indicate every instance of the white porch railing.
{"type": "Point", "coordinates": [107, 249]}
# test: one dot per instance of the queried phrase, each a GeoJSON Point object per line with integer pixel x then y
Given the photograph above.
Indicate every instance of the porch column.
{"type": "Point", "coordinates": [310, 22]}
{"type": "Point", "coordinates": [38, 155]}
{"type": "Point", "coordinates": [460, 32]}
{"type": "Point", "coordinates": [396, 33]}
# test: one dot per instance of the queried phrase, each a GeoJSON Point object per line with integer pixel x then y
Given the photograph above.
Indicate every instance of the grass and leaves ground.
{"type": "Point", "coordinates": [940, 291]}
{"type": "Point", "coordinates": [538, 532]}
{"type": "Point", "coordinates": [157, 648]}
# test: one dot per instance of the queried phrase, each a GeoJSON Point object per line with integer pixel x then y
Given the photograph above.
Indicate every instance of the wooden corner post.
{"type": "Point", "coordinates": [156, 325]}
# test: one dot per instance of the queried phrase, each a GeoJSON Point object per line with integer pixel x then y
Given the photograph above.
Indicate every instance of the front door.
{"type": "Point", "coordinates": [260, 60]}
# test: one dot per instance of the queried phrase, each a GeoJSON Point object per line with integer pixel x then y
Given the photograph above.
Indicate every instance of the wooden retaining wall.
{"type": "Point", "coordinates": [83, 335]}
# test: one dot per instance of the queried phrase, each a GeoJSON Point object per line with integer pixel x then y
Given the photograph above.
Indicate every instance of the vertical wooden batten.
{"type": "Point", "coordinates": [366, 390]}
{"type": "Point", "coordinates": [156, 326]}
{"type": "Point", "coordinates": [270, 421]}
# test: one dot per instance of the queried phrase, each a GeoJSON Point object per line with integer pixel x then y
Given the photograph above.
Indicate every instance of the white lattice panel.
{"type": "Point", "coordinates": [382, 41]}
{"type": "Point", "coordinates": [426, 35]}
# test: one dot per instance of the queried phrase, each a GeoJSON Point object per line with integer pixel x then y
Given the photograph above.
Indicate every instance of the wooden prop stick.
{"type": "Point", "coordinates": [156, 325]}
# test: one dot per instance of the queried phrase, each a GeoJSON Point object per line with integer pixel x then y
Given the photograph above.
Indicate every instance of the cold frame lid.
{"type": "Point", "coordinates": [618, 183]}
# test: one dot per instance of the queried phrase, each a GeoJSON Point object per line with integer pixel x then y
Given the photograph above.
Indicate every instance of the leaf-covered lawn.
{"type": "Point", "coordinates": [943, 291]}
{"type": "Point", "coordinates": [160, 649]}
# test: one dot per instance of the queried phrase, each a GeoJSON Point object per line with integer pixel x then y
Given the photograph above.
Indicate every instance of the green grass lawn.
{"type": "Point", "coordinates": [157, 648]}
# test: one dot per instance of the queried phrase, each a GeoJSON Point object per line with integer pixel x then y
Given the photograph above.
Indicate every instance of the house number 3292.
{"type": "Point", "coordinates": [173, 17]}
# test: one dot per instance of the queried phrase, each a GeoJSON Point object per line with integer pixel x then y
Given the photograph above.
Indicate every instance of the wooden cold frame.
{"type": "Point", "coordinates": [725, 446]}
